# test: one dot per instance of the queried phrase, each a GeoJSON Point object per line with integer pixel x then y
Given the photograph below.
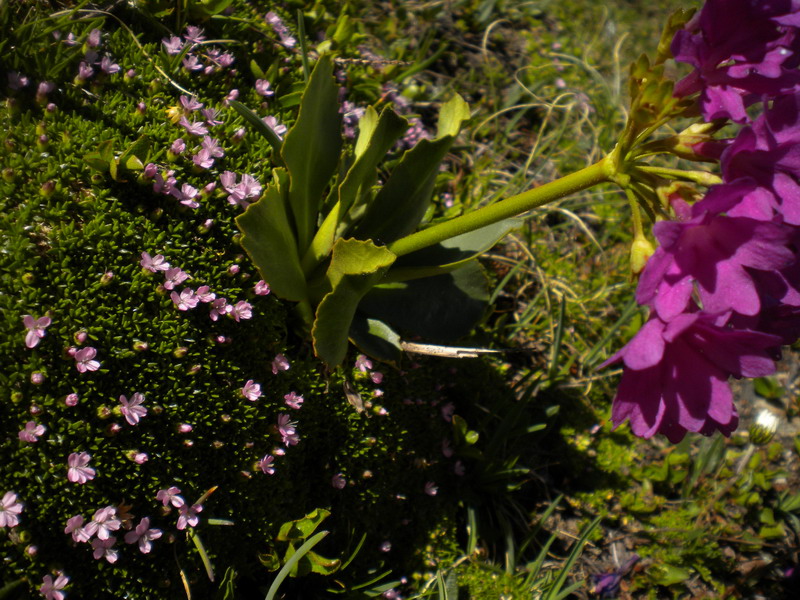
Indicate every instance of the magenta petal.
{"type": "Point", "coordinates": [646, 348]}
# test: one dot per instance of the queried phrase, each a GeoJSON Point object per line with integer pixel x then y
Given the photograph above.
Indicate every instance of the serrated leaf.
{"type": "Point", "coordinates": [270, 242]}
{"type": "Point", "coordinates": [356, 266]}
{"type": "Point", "coordinates": [311, 149]}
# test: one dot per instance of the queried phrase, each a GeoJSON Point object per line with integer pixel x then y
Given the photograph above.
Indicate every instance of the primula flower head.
{"type": "Point", "coordinates": [84, 360]}
{"type": "Point", "coordinates": [51, 590]}
{"type": "Point", "coordinates": [78, 471]}
{"type": "Point", "coordinates": [35, 329]}
{"type": "Point", "coordinates": [10, 510]}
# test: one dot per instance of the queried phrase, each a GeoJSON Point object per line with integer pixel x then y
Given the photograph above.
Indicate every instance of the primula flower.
{"type": "Point", "coordinates": [154, 264]}
{"type": "Point", "coordinates": [143, 535]}
{"type": "Point", "coordinates": [10, 510]}
{"type": "Point", "coordinates": [276, 127]}
{"type": "Point", "coordinates": [741, 50]}
{"type": "Point", "coordinates": [188, 515]}
{"type": "Point", "coordinates": [93, 39]}
{"type": "Point", "coordinates": [173, 44]}
{"type": "Point", "coordinates": [266, 465]}
{"type": "Point", "coordinates": [676, 376]}
{"type": "Point", "coordinates": [103, 548]}
{"type": "Point", "coordinates": [78, 471]}
{"type": "Point", "coordinates": [51, 590]}
{"type": "Point", "coordinates": [35, 329]}
{"type": "Point", "coordinates": [251, 390]}
{"type": "Point", "coordinates": [203, 159]}
{"type": "Point", "coordinates": [84, 360]}
{"type": "Point", "coordinates": [189, 103]}
{"type": "Point", "coordinates": [171, 496]}
{"type": "Point", "coordinates": [262, 87]}
{"type": "Point", "coordinates": [261, 288]}
{"type": "Point", "coordinates": [293, 400]}
{"type": "Point", "coordinates": [173, 277]}
{"type": "Point", "coordinates": [75, 527]}
{"type": "Point", "coordinates": [132, 409]}
{"type": "Point", "coordinates": [280, 363]}
{"type": "Point", "coordinates": [193, 127]}
{"type": "Point", "coordinates": [31, 432]}
{"type": "Point", "coordinates": [186, 300]}
{"type": "Point", "coordinates": [84, 72]}
{"type": "Point", "coordinates": [242, 310]}
{"type": "Point", "coordinates": [103, 522]}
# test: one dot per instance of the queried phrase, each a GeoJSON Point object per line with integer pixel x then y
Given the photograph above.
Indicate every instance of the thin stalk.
{"type": "Point", "coordinates": [702, 177]}
{"type": "Point", "coordinates": [599, 172]}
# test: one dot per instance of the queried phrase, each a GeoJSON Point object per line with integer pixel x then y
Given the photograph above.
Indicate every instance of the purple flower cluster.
{"type": "Point", "coordinates": [723, 287]}
{"type": "Point", "coordinates": [193, 39]}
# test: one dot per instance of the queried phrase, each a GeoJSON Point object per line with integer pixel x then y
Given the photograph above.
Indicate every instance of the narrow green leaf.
{"type": "Point", "coordinates": [270, 242]}
{"type": "Point", "coordinates": [291, 564]}
{"type": "Point", "coordinates": [311, 149]}
{"type": "Point", "coordinates": [260, 127]}
{"type": "Point", "coordinates": [203, 554]}
{"type": "Point", "coordinates": [227, 587]}
{"type": "Point", "coordinates": [356, 266]}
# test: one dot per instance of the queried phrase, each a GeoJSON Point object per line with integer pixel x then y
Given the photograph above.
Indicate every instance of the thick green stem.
{"type": "Point", "coordinates": [599, 172]}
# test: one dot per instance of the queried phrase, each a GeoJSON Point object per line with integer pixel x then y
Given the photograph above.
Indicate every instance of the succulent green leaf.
{"type": "Point", "coordinates": [356, 266]}
{"type": "Point", "coordinates": [452, 114]}
{"type": "Point", "coordinates": [270, 241]}
{"type": "Point", "coordinates": [375, 338]}
{"type": "Point", "coordinates": [441, 308]}
{"type": "Point", "coordinates": [322, 565]}
{"type": "Point", "coordinates": [300, 529]}
{"type": "Point", "coordinates": [311, 149]}
{"type": "Point", "coordinates": [101, 159]}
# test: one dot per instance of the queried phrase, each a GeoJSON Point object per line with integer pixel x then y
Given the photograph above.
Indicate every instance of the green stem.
{"type": "Point", "coordinates": [701, 177]}
{"type": "Point", "coordinates": [600, 172]}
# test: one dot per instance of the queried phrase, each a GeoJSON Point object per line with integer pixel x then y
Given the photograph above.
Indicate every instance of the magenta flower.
{"type": "Point", "coordinates": [219, 307]}
{"type": "Point", "coordinates": [261, 288]}
{"type": "Point", "coordinates": [210, 115]}
{"type": "Point", "coordinates": [173, 277]}
{"type": "Point", "coordinates": [78, 471]}
{"type": "Point", "coordinates": [84, 360]}
{"type": "Point", "coordinates": [156, 263]}
{"type": "Point", "coordinates": [51, 590]}
{"type": "Point", "coordinates": [241, 310]}
{"type": "Point", "coordinates": [203, 159]}
{"type": "Point", "coordinates": [266, 465]}
{"type": "Point", "coordinates": [93, 39]}
{"type": "Point", "coordinates": [10, 510]}
{"type": "Point", "coordinates": [363, 364]}
{"type": "Point", "coordinates": [84, 72]}
{"type": "Point", "coordinates": [186, 300]}
{"type": "Point", "coordinates": [103, 522]}
{"type": "Point", "coordinates": [191, 63]}
{"type": "Point", "coordinates": [171, 496]}
{"type": "Point", "coordinates": [143, 535]}
{"type": "Point", "coordinates": [204, 294]}
{"type": "Point", "coordinates": [173, 44]}
{"type": "Point", "coordinates": [280, 363]}
{"type": "Point", "coordinates": [75, 527]}
{"type": "Point", "coordinates": [338, 481]}
{"type": "Point", "coordinates": [103, 548]}
{"type": "Point", "coordinates": [132, 409]}
{"type": "Point", "coordinates": [676, 375]}
{"type": "Point", "coordinates": [178, 146]}
{"type": "Point", "coordinates": [262, 87]}
{"type": "Point", "coordinates": [251, 390]}
{"type": "Point", "coordinates": [276, 127]}
{"type": "Point", "coordinates": [293, 400]}
{"type": "Point", "coordinates": [108, 66]}
{"type": "Point", "coordinates": [188, 515]}
{"type": "Point", "coordinates": [71, 400]}
{"type": "Point", "coordinates": [193, 127]}
{"type": "Point", "coordinates": [35, 329]}
{"type": "Point", "coordinates": [186, 195]}
{"type": "Point", "coordinates": [31, 432]}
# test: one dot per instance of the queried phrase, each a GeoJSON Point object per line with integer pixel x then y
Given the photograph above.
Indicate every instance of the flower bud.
{"type": "Point", "coordinates": [180, 352]}
{"type": "Point", "coordinates": [37, 378]}
{"type": "Point", "coordinates": [690, 142]}
{"type": "Point", "coordinates": [763, 430]}
{"type": "Point", "coordinates": [9, 175]}
{"type": "Point", "coordinates": [641, 251]}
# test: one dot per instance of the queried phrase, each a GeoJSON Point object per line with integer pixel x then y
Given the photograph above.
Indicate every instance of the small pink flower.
{"type": "Point", "coordinates": [156, 263]}
{"type": "Point", "coordinates": [204, 294]}
{"type": "Point", "coordinates": [143, 535]}
{"type": "Point", "coordinates": [193, 127]}
{"type": "Point", "coordinates": [178, 146]}
{"type": "Point", "coordinates": [280, 363]}
{"type": "Point", "coordinates": [75, 527]}
{"type": "Point", "coordinates": [219, 307]}
{"type": "Point", "coordinates": [103, 548]}
{"type": "Point", "coordinates": [431, 489]}
{"type": "Point", "coordinates": [186, 195]}
{"type": "Point", "coordinates": [174, 276]}
{"type": "Point", "coordinates": [132, 409]}
{"type": "Point", "coordinates": [262, 87]}
{"type": "Point", "coordinates": [171, 496]}
{"type": "Point", "coordinates": [251, 390]}
{"type": "Point", "coordinates": [78, 471]}
{"type": "Point", "coordinates": [103, 522]}
{"type": "Point", "coordinates": [338, 481]}
{"type": "Point", "coordinates": [448, 410]}
{"type": "Point", "coordinates": [173, 45]}
{"type": "Point", "coordinates": [447, 448]}
{"type": "Point", "coordinates": [293, 400]}
{"type": "Point", "coordinates": [184, 428]}
{"type": "Point", "coordinates": [10, 510]}
{"type": "Point", "coordinates": [386, 546]}
{"type": "Point", "coordinates": [31, 432]}
{"type": "Point", "coordinates": [71, 400]}
{"type": "Point", "coordinates": [187, 299]}
{"type": "Point", "coordinates": [188, 515]}
{"type": "Point", "coordinates": [376, 377]}
{"type": "Point", "coordinates": [35, 329]}
{"type": "Point", "coordinates": [242, 310]}
{"type": "Point", "coordinates": [37, 378]}
{"type": "Point", "coordinates": [287, 431]}
{"type": "Point", "coordinates": [278, 128]}
{"type": "Point", "coordinates": [140, 458]}
{"type": "Point", "coordinates": [363, 364]}
{"type": "Point", "coordinates": [262, 288]}
{"type": "Point", "coordinates": [266, 465]}
{"type": "Point", "coordinates": [84, 360]}
{"type": "Point", "coordinates": [51, 590]}
{"type": "Point", "coordinates": [189, 103]}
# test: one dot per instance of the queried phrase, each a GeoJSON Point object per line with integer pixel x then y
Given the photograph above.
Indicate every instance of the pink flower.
{"type": "Point", "coordinates": [132, 409]}
{"type": "Point", "coordinates": [287, 431]}
{"type": "Point", "coordinates": [262, 288]}
{"type": "Point", "coordinates": [262, 87]}
{"type": "Point", "coordinates": [103, 522]}
{"type": "Point", "coordinates": [376, 377]}
{"type": "Point", "coordinates": [103, 549]}
{"type": "Point", "coordinates": [276, 127]}
{"type": "Point", "coordinates": [204, 294]}
{"type": "Point", "coordinates": [75, 527]}
{"type": "Point", "coordinates": [203, 159]}
{"type": "Point", "coordinates": [363, 364]}
{"type": "Point", "coordinates": [186, 300]}
{"type": "Point", "coordinates": [194, 34]}
{"type": "Point", "coordinates": [251, 390]}
{"type": "Point", "coordinates": [280, 363]}
{"type": "Point", "coordinates": [84, 360]}
{"type": "Point", "coordinates": [186, 195]}
{"type": "Point", "coordinates": [242, 310]}
{"type": "Point", "coordinates": [189, 103]}
{"type": "Point", "coordinates": [448, 410]}
{"type": "Point", "coordinates": [293, 400]}
{"type": "Point", "coordinates": [266, 465]}
{"type": "Point", "coordinates": [71, 400]}
{"type": "Point", "coordinates": [193, 127]}
{"type": "Point", "coordinates": [78, 472]}
{"type": "Point", "coordinates": [31, 432]}
{"type": "Point", "coordinates": [140, 458]}
{"type": "Point", "coordinates": [178, 146]}
{"type": "Point", "coordinates": [51, 590]}
{"type": "Point", "coordinates": [171, 496]}
{"type": "Point", "coordinates": [35, 328]}
{"type": "Point", "coordinates": [173, 45]}
{"type": "Point", "coordinates": [188, 515]}
{"type": "Point", "coordinates": [173, 277]}
{"type": "Point", "coordinates": [338, 481]}
{"type": "Point", "coordinates": [210, 115]}
{"type": "Point", "coordinates": [10, 510]}
{"type": "Point", "coordinates": [219, 307]}
{"type": "Point", "coordinates": [156, 263]}
{"type": "Point", "coordinates": [143, 535]}
{"type": "Point", "coordinates": [431, 489]}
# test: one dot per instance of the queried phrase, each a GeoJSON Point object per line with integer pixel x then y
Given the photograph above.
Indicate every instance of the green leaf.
{"type": "Point", "coordinates": [452, 114]}
{"type": "Point", "coordinates": [312, 147]}
{"type": "Point", "coordinates": [259, 126]}
{"type": "Point", "coordinates": [102, 159]}
{"type": "Point", "coordinates": [300, 529]}
{"type": "Point", "coordinates": [441, 308]}
{"type": "Point", "coordinates": [667, 575]}
{"type": "Point", "coordinates": [375, 338]}
{"type": "Point", "coordinates": [208, 8]}
{"type": "Point", "coordinates": [322, 565]}
{"type": "Point", "coordinates": [7, 592]}
{"type": "Point", "coordinates": [356, 266]}
{"type": "Point", "coordinates": [227, 587]}
{"type": "Point", "coordinates": [401, 203]}
{"type": "Point", "coordinates": [291, 564]}
{"type": "Point", "coordinates": [135, 156]}
{"type": "Point", "coordinates": [270, 242]}
{"type": "Point", "coordinates": [203, 554]}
